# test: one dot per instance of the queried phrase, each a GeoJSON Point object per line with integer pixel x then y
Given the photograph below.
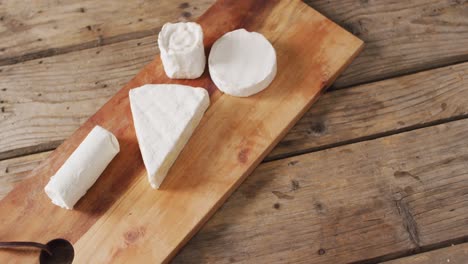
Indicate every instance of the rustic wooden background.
{"type": "Point", "coordinates": [377, 170]}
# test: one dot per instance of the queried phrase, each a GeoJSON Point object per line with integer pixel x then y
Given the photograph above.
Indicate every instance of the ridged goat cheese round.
{"type": "Point", "coordinates": [242, 63]}
{"type": "Point", "coordinates": [182, 50]}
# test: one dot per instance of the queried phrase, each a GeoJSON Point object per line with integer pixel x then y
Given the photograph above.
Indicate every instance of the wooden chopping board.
{"type": "Point", "coordinates": [121, 219]}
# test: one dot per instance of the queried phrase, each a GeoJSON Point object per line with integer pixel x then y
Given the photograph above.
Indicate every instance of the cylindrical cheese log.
{"type": "Point", "coordinates": [182, 50]}
{"type": "Point", "coordinates": [242, 63]}
{"type": "Point", "coordinates": [82, 168]}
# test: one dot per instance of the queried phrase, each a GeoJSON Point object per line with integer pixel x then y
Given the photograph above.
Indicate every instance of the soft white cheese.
{"type": "Point", "coordinates": [81, 170]}
{"type": "Point", "coordinates": [242, 63]}
{"type": "Point", "coordinates": [182, 50]}
{"type": "Point", "coordinates": [165, 116]}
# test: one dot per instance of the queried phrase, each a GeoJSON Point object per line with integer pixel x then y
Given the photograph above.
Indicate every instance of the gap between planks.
{"type": "Point", "coordinates": [367, 138]}
{"type": "Point", "coordinates": [48, 147]}
{"type": "Point", "coordinates": [428, 249]}
{"type": "Point", "coordinates": [452, 254]}
{"type": "Point", "coordinates": [99, 42]}
{"type": "Point", "coordinates": [397, 75]}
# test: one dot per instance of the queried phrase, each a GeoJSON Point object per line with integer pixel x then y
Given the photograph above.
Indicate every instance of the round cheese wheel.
{"type": "Point", "coordinates": [242, 63]}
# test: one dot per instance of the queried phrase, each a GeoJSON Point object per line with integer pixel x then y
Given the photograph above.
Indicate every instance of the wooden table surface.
{"type": "Point", "coordinates": [377, 169]}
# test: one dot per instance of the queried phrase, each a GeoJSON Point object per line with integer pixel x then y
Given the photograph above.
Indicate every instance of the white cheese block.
{"type": "Point", "coordinates": [165, 116]}
{"type": "Point", "coordinates": [81, 170]}
{"type": "Point", "coordinates": [242, 63]}
{"type": "Point", "coordinates": [182, 50]}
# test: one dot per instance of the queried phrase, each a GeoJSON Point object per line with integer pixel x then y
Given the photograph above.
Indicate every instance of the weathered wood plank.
{"type": "Point", "coordinates": [400, 36]}
{"type": "Point", "coordinates": [381, 107]}
{"type": "Point", "coordinates": [41, 110]}
{"type": "Point", "coordinates": [376, 198]}
{"type": "Point", "coordinates": [32, 29]}
{"type": "Point", "coordinates": [44, 101]}
{"type": "Point", "coordinates": [12, 171]}
{"type": "Point", "coordinates": [457, 254]}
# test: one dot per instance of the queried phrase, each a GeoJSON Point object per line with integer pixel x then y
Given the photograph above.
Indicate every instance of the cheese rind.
{"type": "Point", "coordinates": [182, 51]}
{"type": "Point", "coordinates": [242, 63]}
{"type": "Point", "coordinates": [84, 166]}
{"type": "Point", "coordinates": [165, 116]}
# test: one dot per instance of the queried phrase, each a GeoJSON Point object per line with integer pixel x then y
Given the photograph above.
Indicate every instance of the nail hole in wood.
{"type": "Point", "coordinates": [184, 5]}
{"type": "Point", "coordinates": [186, 14]}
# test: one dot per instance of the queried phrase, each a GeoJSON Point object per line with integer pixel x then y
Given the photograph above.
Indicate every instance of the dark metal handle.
{"type": "Point", "coordinates": [19, 244]}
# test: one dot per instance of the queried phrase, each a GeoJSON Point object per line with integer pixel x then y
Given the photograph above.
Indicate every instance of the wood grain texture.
{"type": "Point", "coordinates": [401, 36]}
{"type": "Point", "coordinates": [13, 171]}
{"type": "Point", "coordinates": [457, 254]}
{"type": "Point", "coordinates": [195, 187]}
{"type": "Point", "coordinates": [353, 114]}
{"type": "Point", "coordinates": [19, 167]}
{"type": "Point", "coordinates": [379, 108]}
{"type": "Point", "coordinates": [41, 28]}
{"type": "Point", "coordinates": [380, 198]}
{"type": "Point", "coordinates": [44, 101]}
{"type": "Point", "coordinates": [339, 116]}
{"type": "Point", "coordinates": [70, 80]}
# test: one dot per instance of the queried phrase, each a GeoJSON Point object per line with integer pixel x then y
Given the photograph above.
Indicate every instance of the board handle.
{"type": "Point", "coordinates": [24, 244]}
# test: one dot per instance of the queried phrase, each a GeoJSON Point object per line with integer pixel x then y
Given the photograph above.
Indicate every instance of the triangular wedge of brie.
{"type": "Point", "coordinates": [165, 116]}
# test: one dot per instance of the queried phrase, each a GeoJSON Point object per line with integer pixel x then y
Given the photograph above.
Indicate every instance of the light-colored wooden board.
{"type": "Point", "coordinates": [87, 71]}
{"type": "Point", "coordinates": [457, 254]}
{"type": "Point", "coordinates": [121, 217]}
{"type": "Point", "coordinates": [32, 29]}
{"type": "Point", "coordinates": [356, 113]}
{"type": "Point", "coordinates": [401, 36]}
{"type": "Point", "coordinates": [379, 198]}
